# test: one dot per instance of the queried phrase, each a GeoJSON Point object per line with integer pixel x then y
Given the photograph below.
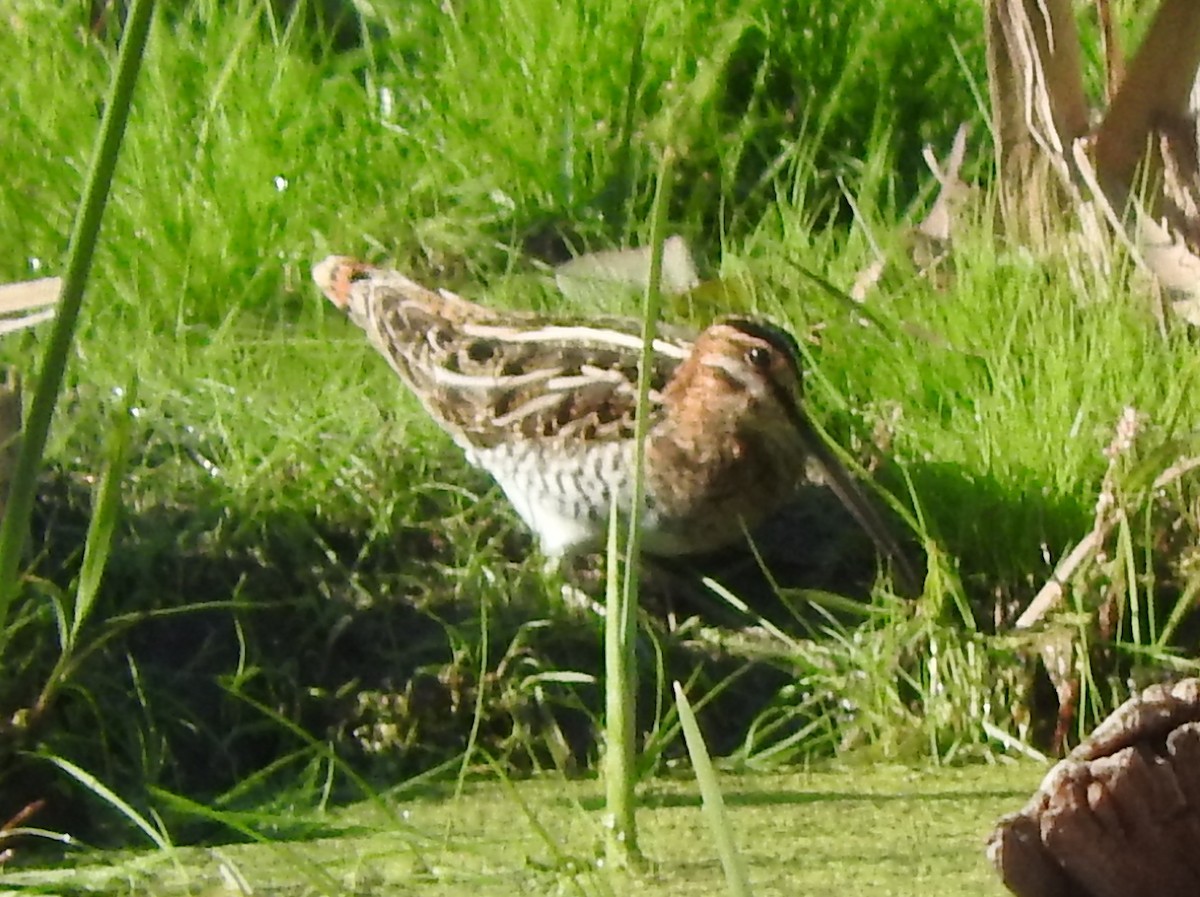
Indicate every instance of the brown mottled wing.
{"type": "Point", "coordinates": [489, 378]}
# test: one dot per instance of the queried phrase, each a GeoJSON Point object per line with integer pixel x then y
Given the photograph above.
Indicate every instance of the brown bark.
{"type": "Point", "coordinates": [1038, 110]}
{"type": "Point", "coordinates": [1153, 97]}
{"type": "Point", "coordinates": [1033, 53]}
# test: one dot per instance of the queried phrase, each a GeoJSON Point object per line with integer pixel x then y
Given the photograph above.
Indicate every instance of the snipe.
{"type": "Point", "coordinates": [547, 407]}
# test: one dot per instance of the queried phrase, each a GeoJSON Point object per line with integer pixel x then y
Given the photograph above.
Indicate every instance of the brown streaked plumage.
{"type": "Point", "coordinates": [548, 408]}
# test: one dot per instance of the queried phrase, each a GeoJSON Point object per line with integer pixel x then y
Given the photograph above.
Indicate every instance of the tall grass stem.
{"type": "Point", "coordinates": [622, 604]}
{"type": "Point", "coordinates": [15, 525]}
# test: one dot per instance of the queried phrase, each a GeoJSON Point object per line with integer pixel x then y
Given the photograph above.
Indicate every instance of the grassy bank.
{"type": "Point", "coordinates": [305, 567]}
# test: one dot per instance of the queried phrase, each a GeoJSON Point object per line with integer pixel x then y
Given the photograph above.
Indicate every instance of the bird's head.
{"type": "Point", "coordinates": [743, 374]}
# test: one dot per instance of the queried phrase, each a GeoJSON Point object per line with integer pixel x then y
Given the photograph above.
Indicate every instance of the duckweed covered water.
{"type": "Point", "coordinates": [872, 831]}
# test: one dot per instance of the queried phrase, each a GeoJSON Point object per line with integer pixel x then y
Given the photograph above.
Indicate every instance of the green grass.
{"type": "Point", "coordinates": [302, 555]}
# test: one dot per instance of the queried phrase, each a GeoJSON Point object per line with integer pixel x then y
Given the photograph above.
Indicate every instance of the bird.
{"type": "Point", "coordinates": [548, 407]}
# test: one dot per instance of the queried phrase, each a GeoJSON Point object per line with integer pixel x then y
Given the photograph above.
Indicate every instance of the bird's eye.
{"type": "Point", "coordinates": [759, 357]}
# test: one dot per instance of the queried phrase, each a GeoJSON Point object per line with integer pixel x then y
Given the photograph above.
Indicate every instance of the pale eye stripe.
{"type": "Point", "coordinates": [584, 336]}
{"type": "Point", "coordinates": [754, 384]}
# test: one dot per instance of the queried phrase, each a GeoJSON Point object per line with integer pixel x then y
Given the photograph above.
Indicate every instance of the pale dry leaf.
{"type": "Point", "coordinates": [596, 273]}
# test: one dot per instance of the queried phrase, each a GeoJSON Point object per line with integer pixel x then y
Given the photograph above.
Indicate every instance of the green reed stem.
{"type": "Point", "coordinates": [620, 627]}
{"type": "Point", "coordinates": [15, 526]}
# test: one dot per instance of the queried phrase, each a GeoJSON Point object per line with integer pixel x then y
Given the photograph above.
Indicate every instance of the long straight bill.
{"type": "Point", "coordinates": [856, 501]}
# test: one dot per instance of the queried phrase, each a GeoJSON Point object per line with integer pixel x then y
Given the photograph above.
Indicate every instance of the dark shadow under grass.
{"type": "Point", "coordinates": [367, 639]}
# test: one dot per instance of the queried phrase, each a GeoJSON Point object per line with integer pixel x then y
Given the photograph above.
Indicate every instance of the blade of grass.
{"type": "Point", "coordinates": [650, 312]}
{"type": "Point", "coordinates": [619, 709]}
{"type": "Point", "coordinates": [620, 624]}
{"type": "Point", "coordinates": [105, 511]}
{"type": "Point", "coordinates": [110, 797]}
{"type": "Point", "coordinates": [15, 526]}
{"type": "Point", "coordinates": [621, 184]}
{"type": "Point", "coordinates": [297, 857]}
{"type": "Point", "coordinates": [714, 803]}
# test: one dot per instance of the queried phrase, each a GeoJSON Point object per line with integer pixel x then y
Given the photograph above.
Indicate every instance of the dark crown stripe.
{"type": "Point", "coordinates": [779, 338]}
